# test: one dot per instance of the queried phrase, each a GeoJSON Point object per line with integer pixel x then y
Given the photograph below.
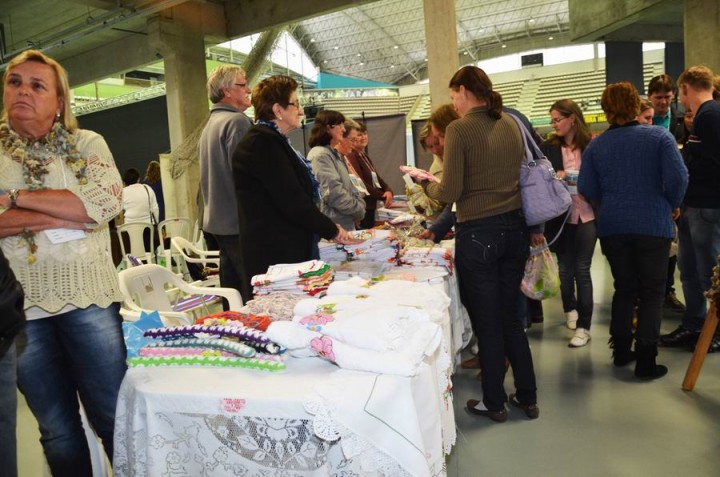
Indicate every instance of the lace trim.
{"type": "Point", "coordinates": [443, 367]}
{"type": "Point", "coordinates": [353, 446]}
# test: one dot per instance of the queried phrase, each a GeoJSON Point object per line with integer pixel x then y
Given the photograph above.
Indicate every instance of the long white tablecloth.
{"type": "Point", "coordinates": [312, 419]}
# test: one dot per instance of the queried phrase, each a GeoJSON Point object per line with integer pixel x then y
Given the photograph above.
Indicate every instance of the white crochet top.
{"type": "Point", "coordinates": [79, 272]}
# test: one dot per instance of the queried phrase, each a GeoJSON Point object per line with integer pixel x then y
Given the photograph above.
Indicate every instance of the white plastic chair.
{"type": "Point", "coordinates": [190, 253]}
{"type": "Point", "coordinates": [151, 287]}
{"type": "Point", "coordinates": [193, 254]}
{"type": "Point", "coordinates": [169, 228]}
{"type": "Point", "coordinates": [135, 232]}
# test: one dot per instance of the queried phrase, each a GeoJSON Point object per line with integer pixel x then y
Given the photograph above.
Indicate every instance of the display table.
{"type": "Point", "coordinates": [311, 419]}
{"type": "Point", "coordinates": [456, 328]}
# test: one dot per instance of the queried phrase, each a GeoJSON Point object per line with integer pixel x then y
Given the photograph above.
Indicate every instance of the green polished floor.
{"type": "Point", "coordinates": [595, 420]}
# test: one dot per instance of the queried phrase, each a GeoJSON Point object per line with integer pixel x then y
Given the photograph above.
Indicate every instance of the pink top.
{"type": "Point", "coordinates": [572, 159]}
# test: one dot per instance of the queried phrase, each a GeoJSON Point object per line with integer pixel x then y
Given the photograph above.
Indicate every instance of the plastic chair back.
{"type": "Point", "coordinates": [149, 288]}
{"type": "Point", "coordinates": [167, 229]}
{"type": "Point", "coordinates": [135, 233]}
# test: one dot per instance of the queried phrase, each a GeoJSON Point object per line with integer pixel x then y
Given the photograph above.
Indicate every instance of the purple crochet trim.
{"type": "Point", "coordinates": [250, 336]}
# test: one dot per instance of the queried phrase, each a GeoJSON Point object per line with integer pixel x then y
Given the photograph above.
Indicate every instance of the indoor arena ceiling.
{"type": "Point", "coordinates": [375, 40]}
{"type": "Point", "coordinates": [385, 40]}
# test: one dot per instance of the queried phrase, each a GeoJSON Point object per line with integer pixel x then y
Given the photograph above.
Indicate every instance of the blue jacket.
{"type": "Point", "coordinates": [635, 176]}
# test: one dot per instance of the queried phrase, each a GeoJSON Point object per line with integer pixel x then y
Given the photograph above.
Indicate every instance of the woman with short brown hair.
{"type": "Point", "coordinates": [277, 193]}
{"type": "Point", "coordinates": [635, 176]}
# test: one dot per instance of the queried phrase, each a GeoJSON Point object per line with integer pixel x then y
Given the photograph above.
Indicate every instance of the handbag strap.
{"type": "Point", "coordinates": [153, 222]}
{"type": "Point", "coordinates": [152, 216]}
{"type": "Point", "coordinates": [557, 235]}
{"type": "Point", "coordinates": [532, 151]}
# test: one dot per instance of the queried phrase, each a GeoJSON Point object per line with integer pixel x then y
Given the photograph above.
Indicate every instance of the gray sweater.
{"type": "Point", "coordinates": [221, 135]}
{"type": "Point", "coordinates": [341, 201]}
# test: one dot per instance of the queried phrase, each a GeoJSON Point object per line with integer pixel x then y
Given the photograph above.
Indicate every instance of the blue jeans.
{"type": "Point", "coordinates": [698, 249]}
{"type": "Point", "coordinates": [490, 257]}
{"type": "Point", "coordinates": [80, 352]}
{"type": "Point", "coordinates": [638, 264]}
{"type": "Point", "coordinates": [574, 266]}
{"type": "Point", "coordinates": [8, 414]}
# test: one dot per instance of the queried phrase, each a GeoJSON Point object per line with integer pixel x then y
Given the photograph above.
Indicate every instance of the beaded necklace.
{"type": "Point", "coordinates": [35, 155]}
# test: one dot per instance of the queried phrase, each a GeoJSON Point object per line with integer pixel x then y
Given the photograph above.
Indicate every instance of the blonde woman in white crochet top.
{"type": "Point", "coordinates": [60, 188]}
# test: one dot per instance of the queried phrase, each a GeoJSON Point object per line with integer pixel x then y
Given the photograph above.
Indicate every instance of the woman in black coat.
{"type": "Point", "coordinates": [275, 188]}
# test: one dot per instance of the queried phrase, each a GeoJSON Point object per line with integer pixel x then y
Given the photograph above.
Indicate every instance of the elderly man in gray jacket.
{"type": "Point", "coordinates": [229, 92]}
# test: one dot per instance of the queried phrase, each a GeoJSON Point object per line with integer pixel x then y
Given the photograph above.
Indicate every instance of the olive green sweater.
{"type": "Point", "coordinates": [481, 166]}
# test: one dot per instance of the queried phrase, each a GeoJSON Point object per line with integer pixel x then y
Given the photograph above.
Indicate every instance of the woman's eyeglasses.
{"type": "Point", "coordinates": [557, 120]}
{"type": "Point", "coordinates": [295, 103]}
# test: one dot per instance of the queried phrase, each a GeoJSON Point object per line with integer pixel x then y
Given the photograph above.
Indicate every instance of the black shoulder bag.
{"type": "Point", "coordinates": [12, 315]}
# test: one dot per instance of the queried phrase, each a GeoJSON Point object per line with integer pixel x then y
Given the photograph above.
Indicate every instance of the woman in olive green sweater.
{"type": "Point", "coordinates": [483, 152]}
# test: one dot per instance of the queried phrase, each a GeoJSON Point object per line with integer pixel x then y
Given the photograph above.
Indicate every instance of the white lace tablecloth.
{"type": "Point", "coordinates": [312, 419]}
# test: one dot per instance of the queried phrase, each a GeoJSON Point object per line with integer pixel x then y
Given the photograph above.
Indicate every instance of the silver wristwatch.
{"type": "Point", "coordinates": [13, 195]}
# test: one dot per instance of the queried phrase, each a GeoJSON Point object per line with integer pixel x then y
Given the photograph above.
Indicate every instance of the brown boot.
{"type": "Point", "coordinates": [472, 363]}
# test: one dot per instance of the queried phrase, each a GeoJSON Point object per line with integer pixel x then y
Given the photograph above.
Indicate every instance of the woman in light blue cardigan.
{"type": "Point", "coordinates": [340, 200]}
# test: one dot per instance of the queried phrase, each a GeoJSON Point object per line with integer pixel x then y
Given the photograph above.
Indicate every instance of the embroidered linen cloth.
{"type": "Point", "coordinates": [311, 277]}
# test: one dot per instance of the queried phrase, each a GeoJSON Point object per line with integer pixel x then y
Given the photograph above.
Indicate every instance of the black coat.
{"type": "Point", "coordinates": [554, 154]}
{"type": "Point", "coordinates": [12, 316]}
{"type": "Point", "coordinates": [277, 215]}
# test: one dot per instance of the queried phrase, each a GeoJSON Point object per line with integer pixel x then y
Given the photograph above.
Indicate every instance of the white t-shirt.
{"type": "Point", "coordinates": [137, 202]}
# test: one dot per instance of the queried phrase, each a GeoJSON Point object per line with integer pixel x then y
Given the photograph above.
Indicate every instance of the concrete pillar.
{"type": "Point", "coordinates": [441, 45]}
{"type": "Point", "coordinates": [624, 62]}
{"type": "Point", "coordinates": [674, 59]}
{"type": "Point", "coordinates": [702, 33]}
{"type": "Point", "coordinates": [178, 36]}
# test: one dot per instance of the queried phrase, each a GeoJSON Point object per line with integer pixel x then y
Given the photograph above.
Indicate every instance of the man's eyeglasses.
{"type": "Point", "coordinates": [242, 85]}
{"type": "Point", "coordinates": [557, 120]}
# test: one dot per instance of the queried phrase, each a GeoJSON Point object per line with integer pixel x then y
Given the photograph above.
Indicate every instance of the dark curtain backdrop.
{"type": "Point", "coordinates": [423, 158]}
{"type": "Point", "coordinates": [136, 133]}
{"type": "Point", "coordinates": [386, 147]}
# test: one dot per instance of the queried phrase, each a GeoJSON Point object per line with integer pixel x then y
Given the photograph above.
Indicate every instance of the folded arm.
{"type": "Point", "coordinates": [15, 221]}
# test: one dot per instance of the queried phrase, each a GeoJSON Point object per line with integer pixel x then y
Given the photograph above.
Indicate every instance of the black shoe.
{"type": "Point", "coordinates": [497, 416]}
{"type": "Point", "coordinates": [680, 337]}
{"type": "Point", "coordinates": [646, 366]}
{"type": "Point", "coordinates": [622, 350]}
{"type": "Point", "coordinates": [713, 348]}
{"type": "Point", "coordinates": [538, 319]}
{"type": "Point", "coordinates": [532, 411]}
{"type": "Point", "coordinates": [672, 302]}
{"type": "Point", "coordinates": [714, 345]}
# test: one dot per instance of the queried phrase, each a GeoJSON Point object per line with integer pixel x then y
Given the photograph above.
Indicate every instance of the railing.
{"type": "Point", "coordinates": [122, 100]}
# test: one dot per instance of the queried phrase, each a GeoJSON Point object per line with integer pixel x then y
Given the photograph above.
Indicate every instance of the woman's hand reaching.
{"type": "Point", "coordinates": [344, 237]}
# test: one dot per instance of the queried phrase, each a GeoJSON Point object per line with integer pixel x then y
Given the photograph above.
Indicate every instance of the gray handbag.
{"type": "Point", "coordinates": [544, 196]}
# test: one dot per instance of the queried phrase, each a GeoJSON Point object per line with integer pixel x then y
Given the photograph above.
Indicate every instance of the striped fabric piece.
{"type": "Point", "coordinates": [192, 302]}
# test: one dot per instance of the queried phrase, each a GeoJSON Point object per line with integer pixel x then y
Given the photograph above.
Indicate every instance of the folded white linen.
{"type": "Point", "coordinates": [290, 335]}
{"type": "Point", "coordinates": [368, 325]}
{"type": "Point", "coordinates": [283, 272]}
{"type": "Point", "coordinates": [353, 286]}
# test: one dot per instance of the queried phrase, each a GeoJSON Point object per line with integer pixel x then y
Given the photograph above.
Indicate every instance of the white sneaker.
{"type": "Point", "coordinates": [580, 338]}
{"type": "Point", "coordinates": [571, 317]}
